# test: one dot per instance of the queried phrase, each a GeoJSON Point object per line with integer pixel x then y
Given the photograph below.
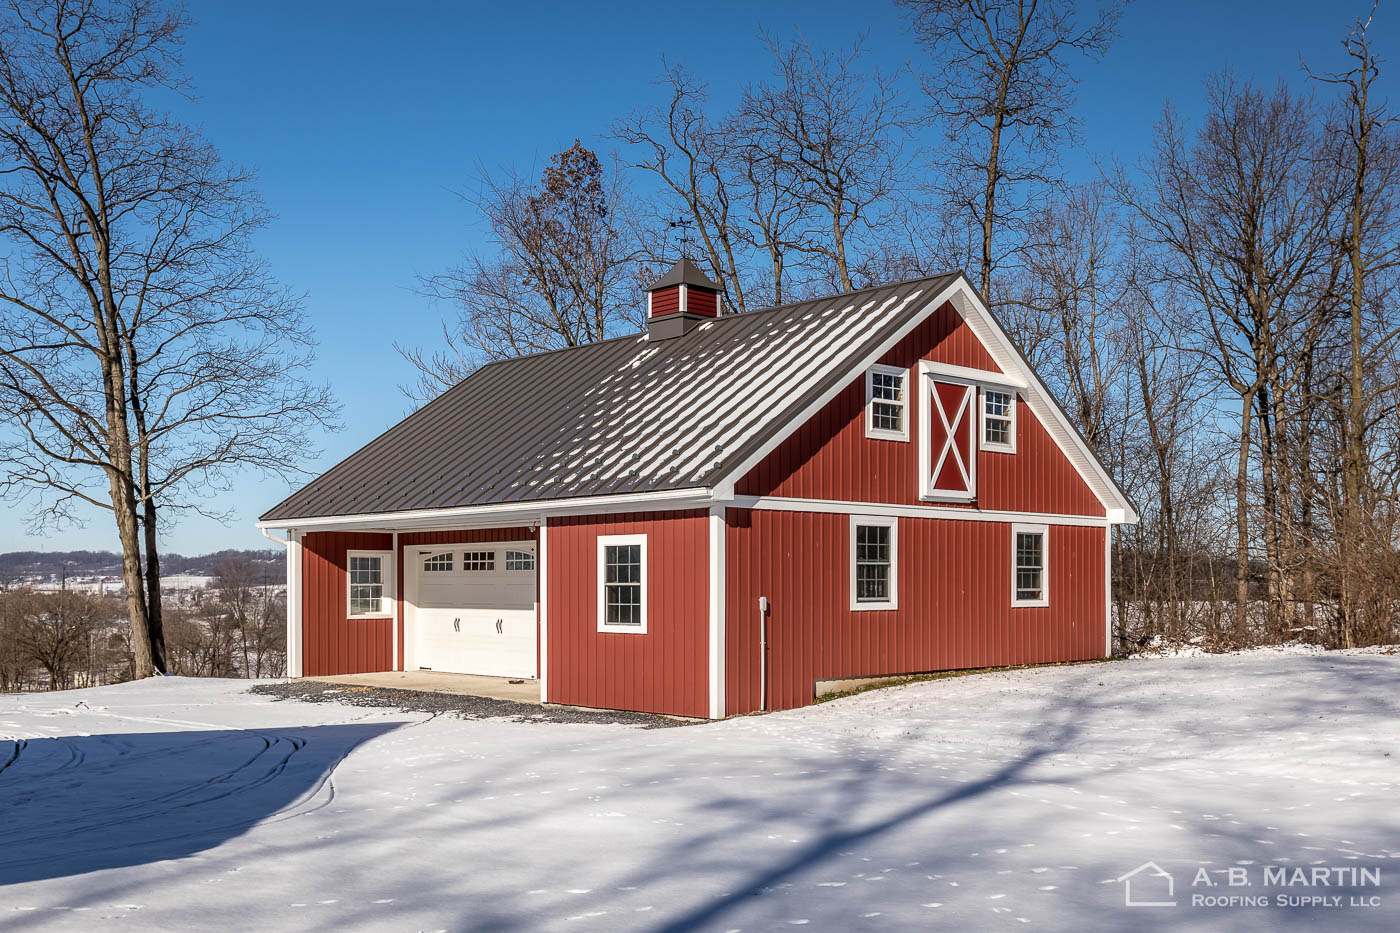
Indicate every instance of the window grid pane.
{"type": "Point", "coordinates": [438, 562]}
{"type": "Point", "coordinates": [887, 401]}
{"type": "Point", "coordinates": [479, 560]}
{"type": "Point", "coordinates": [872, 563]}
{"type": "Point", "coordinates": [1030, 565]}
{"type": "Point", "coordinates": [520, 560]}
{"type": "Point", "coordinates": [996, 407]}
{"type": "Point", "coordinates": [622, 590]}
{"type": "Point", "coordinates": [366, 585]}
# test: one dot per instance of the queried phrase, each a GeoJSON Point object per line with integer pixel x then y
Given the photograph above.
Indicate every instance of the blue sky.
{"type": "Point", "coordinates": [363, 119]}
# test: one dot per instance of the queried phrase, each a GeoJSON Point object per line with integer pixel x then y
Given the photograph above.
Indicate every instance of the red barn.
{"type": "Point", "coordinates": [716, 515]}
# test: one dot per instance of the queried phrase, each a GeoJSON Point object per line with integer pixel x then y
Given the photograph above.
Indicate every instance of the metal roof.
{"type": "Point", "coordinates": [684, 272]}
{"type": "Point", "coordinates": [624, 416]}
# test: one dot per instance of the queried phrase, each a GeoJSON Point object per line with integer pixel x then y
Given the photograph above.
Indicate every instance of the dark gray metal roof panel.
{"type": "Point", "coordinates": [627, 415]}
{"type": "Point", "coordinates": [684, 272]}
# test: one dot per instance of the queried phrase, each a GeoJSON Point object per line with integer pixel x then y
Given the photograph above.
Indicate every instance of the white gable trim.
{"type": "Point", "coordinates": [1015, 372]}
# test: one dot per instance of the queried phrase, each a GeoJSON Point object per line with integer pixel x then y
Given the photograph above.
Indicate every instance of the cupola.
{"type": "Point", "coordinates": [679, 301]}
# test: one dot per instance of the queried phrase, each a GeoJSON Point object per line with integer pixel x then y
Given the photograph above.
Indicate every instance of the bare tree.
{"type": "Point", "coordinates": [1002, 87]}
{"type": "Point", "coordinates": [1240, 222]}
{"type": "Point", "coordinates": [560, 276]}
{"type": "Point", "coordinates": [835, 137]}
{"type": "Point", "coordinates": [145, 352]}
{"type": "Point", "coordinates": [1368, 160]}
{"type": "Point", "coordinates": [695, 157]}
{"type": "Point", "coordinates": [56, 630]}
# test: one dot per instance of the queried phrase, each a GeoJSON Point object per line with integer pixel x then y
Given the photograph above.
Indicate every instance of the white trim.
{"type": "Point", "coordinates": [717, 614]}
{"type": "Point", "coordinates": [295, 556]}
{"type": "Point", "coordinates": [1108, 592]}
{"type": "Point", "coordinates": [892, 524]}
{"type": "Point", "coordinates": [387, 576]}
{"type": "Point", "coordinates": [840, 507]}
{"type": "Point", "coordinates": [458, 519]}
{"type": "Point", "coordinates": [683, 296]}
{"type": "Point", "coordinates": [1044, 532]}
{"type": "Point", "coordinates": [886, 434]}
{"type": "Point", "coordinates": [1009, 446]}
{"type": "Point", "coordinates": [929, 400]}
{"type": "Point", "coordinates": [967, 375]}
{"type": "Point", "coordinates": [398, 603]}
{"type": "Point", "coordinates": [648, 306]}
{"type": "Point", "coordinates": [615, 540]}
{"type": "Point", "coordinates": [542, 596]}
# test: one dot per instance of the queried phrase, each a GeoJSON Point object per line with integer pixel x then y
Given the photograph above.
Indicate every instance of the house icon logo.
{"type": "Point", "coordinates": [1148, 885]}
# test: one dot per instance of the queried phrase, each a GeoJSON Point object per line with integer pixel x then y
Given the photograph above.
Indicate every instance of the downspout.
{"type": "Point", "coordinates": [763, 654]}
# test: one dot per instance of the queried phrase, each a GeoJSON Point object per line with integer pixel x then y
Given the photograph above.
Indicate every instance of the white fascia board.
{"type": "Point", "coordinates": [839, 507]}
{"type": "Point", "coordinates": [501, 514]}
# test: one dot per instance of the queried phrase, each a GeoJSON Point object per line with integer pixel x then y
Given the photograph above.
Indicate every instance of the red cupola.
{"type": "Point", "coordinates": [680, 300]}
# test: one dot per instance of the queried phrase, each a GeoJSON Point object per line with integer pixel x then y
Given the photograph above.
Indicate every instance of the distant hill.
{"type": "Point", "coordinates": [105, 563]}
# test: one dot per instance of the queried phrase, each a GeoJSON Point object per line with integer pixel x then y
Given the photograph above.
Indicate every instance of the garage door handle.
{"type": "Point", "coordinates": [457, 624]}
{"type": "Point", "coordinates": [499, 629]}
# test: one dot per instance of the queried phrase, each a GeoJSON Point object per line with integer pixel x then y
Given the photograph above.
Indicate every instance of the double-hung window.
{"type": "Point", "coordinates": [369, 578]}
{"type": "Point", "coordinates": [999, 420]}
{"type": "Point", "coordinates": [887, 403]}
{"type": "Point", "coordinates": [874, 562]}
{"type": "Point", "coordinates": [1029, 573]}
{"type": "Point", "coordinates": [622, 583]}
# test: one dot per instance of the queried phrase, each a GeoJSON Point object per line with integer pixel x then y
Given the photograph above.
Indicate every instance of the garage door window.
{"type": "Point", "coordinates": [438, 563]}
{"type": "Point", "coordinates": [520, 560]}
{"type": "Point", "coordinates": [479, 560]}
{"type": "Point", "coordinates": [369, 578]}
{"type": "Point", "coordinates": [622, 583]}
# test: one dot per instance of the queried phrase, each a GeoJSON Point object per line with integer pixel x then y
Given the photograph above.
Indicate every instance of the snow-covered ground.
{"type": "Point", "coordinates": [996, 801]}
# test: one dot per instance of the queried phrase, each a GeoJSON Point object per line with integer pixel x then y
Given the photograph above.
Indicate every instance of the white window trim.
{"type": "Point", "coordinates": [892, 523]}
{"type": "Point", "coordinates": [1044, 531]}
{"type": "Point", "coordinates": [603, 542]}
{"type": "Point", "coordinates": [929, 374]}
{"type": "Point", "coordinates": [885, 434]}
{"type": "Point", "coordinates": [386, 572]}
{"type": "Point", "coordinates": [1010, 446]}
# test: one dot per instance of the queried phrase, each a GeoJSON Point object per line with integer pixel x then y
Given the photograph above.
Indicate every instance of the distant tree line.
{"type": "Point", "coordinates": [1218, 316]}
{"type": "Point", "coordinates": [16, 564]}
{"type": "Point", "coordinates": [62, 639]}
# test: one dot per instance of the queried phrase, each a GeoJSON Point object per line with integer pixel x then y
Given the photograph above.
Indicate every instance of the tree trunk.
{"type": "Point", "coordinates": [1242, 517]}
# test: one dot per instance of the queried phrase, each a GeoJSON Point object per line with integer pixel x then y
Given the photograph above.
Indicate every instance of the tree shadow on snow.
{"type": "Point", "coordinates": [75, 804]}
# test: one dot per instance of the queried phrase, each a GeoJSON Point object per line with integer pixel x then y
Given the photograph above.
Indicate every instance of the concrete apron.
{"type": "Point", "coordinates": [497, 688]}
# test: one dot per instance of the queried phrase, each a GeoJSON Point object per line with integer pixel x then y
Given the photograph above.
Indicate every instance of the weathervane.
{"type": "Point", "coordinates": [683, 240]}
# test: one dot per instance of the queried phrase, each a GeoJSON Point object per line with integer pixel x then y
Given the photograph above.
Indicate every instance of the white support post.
{"type": "Point", "coordinates": [542, 605]}
{"type": "Point", "coordinates": [717, 596]}
{"type": "Point", "coordinates": [1108, 591]}
{"type": "Point", "coordinates": [294, 560]}
{"type": "Point", "coordinates": [398, 603]}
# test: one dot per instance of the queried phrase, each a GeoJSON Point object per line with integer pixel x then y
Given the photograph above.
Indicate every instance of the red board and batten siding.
{"type": "Point", "coordinates": [331, 643]}
{"type": "Point", "coordinates": [662, 671]}
{"type": "Point", "coordinates": [830, 457]}
{"type": "Point", "coordinates": [954, 603]}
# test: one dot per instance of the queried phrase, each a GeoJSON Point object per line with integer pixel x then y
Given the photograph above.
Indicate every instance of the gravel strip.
{"type": "Point", "coordinates": [465, 707]}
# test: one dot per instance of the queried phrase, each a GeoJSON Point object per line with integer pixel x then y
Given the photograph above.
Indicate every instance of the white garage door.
{"type": "Point", "coordinates": [475, 609]}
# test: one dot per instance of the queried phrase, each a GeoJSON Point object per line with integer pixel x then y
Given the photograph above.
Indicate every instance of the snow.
{"type": "Point", "coordinates": [994, 801]}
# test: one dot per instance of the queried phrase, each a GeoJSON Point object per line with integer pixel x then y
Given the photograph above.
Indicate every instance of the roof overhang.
{"type": "Point", "coordinates": [499, 514]}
